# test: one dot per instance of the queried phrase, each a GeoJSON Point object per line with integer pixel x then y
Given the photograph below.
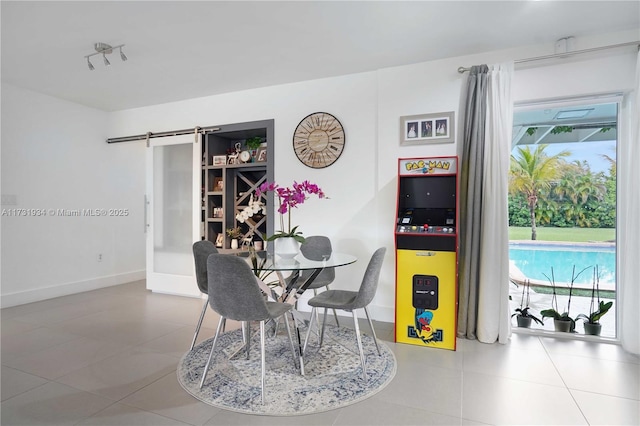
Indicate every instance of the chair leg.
{"type": "Point", "coordinates": [204, 311]}
{"type": "Point", "coordinates": [362, 360]}
{"type": "Point", "coordinates": [293, 351]}
{"type": "Point", "coordinates": [262, 354]}
{"type": "Point", "coordinates": [335, 314]}
{"type": "Point", "coordinates": [375, 338]}
{"type": "Point", "coordinates": [275, 327]}
{"type": "Point", "coordinates": [324, 321]}
{"type": "Point", "coordinates": [213, 346]}
{"type": "Point", "coordinates": [314, 314]}
{"type": "Point", "coordinates": [246, 336]}
{"type": "Point", "coordinates": [315, 293]}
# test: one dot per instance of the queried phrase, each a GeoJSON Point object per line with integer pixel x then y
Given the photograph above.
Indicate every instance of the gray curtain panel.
{"type": "Point", "coordinates": [471, 156]}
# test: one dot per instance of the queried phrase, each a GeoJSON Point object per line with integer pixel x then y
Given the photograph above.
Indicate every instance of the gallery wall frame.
{"type": "Point", "coordinates": [424, 129]}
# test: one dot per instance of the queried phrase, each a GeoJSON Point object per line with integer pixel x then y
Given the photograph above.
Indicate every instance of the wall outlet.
{"type": "Point", "coordinates": [99, 257]}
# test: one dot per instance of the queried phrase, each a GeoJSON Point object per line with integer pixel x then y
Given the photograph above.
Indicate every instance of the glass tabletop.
{"type": "Point", "coordinates": [300, 263]}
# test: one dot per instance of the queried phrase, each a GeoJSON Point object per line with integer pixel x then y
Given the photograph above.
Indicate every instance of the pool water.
{"type": "Point", "coordinates": [536, 260]}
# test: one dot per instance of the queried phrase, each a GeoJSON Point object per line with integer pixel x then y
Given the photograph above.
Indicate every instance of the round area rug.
{"type": "Point", "coordinates": [333, 374]}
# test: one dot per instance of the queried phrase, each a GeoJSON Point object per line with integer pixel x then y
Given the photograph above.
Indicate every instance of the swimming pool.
{"type": "Point", "coordinates": [535, 260]}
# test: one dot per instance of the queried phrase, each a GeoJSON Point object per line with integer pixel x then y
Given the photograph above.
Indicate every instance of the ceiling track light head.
{"type": "Point", "coordinates": [105, 49]}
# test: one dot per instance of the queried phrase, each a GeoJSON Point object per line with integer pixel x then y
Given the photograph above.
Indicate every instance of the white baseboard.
{"type": "Point", "coordinates": [36, 295]}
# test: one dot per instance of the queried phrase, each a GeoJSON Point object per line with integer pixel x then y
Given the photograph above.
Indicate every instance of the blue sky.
{"type": "Point", "coordinates": [589, 151]}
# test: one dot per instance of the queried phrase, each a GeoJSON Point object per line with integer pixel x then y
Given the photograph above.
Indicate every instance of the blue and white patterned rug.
{"type": "Point", "coordinates": [333, 375]}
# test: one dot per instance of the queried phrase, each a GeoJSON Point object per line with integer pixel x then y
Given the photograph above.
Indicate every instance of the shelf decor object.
{"type": "Point", "coordinates": [219, 160]}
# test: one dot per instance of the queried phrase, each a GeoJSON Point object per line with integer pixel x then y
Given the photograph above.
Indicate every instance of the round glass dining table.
{"type": "Point", "coordinates": [291, 288]}
{"type": "Point", "coordinates": [300, 263]}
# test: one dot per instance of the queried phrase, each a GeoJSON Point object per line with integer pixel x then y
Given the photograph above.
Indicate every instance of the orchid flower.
{"type": "Point", "coordinates": [289, 198]}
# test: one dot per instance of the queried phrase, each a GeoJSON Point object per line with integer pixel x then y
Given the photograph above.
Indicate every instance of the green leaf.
{"type": "Point", "coordinates": [561, 129]}
{"type": "Point", "coordinates": [550, 313]}
{"type": "Point", "coordinates": [254, 142]}
{"type": "Point", "coordinates": [297, 235]}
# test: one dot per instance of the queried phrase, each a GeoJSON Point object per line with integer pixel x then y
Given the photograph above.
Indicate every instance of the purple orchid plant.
{"type": "Point", "coordinates": [289, 198]}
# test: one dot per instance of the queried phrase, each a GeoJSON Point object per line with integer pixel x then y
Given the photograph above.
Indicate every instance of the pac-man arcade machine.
{"type": "Point", "coordinates": [426, 241]}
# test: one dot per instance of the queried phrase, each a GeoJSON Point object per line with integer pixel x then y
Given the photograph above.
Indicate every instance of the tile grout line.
{"type": "Point", "coordinates": [573, 398]}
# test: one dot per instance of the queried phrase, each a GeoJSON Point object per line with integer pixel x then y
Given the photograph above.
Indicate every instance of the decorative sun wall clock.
{"type": "Point", "coordinates": [318, 140]}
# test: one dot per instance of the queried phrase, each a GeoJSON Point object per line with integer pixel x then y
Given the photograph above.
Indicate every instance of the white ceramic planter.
{"type": "Point", "coordinates": [286, 248]}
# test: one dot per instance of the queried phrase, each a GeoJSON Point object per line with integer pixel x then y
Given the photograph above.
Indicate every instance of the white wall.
{"type": "Point", "coordinates": [350, 216]}
{"type": "Point", "coordinates": [359, 216]}
{"type": "Point", "coordinates": [54, 156]}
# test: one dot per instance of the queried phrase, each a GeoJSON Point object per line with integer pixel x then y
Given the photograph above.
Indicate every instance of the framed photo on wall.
{"type": "Point", "coordinates": [427, 128]}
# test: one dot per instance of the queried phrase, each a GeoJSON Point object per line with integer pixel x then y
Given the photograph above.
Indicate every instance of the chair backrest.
{"type": "Point", "coordinates": [201, 251]}
{"type": "Point", "coordinates": [370, 280]}
{"type": "Point", "coordinates": [318, 247]}
{"type": "Point", "coordinates": [234, 290]}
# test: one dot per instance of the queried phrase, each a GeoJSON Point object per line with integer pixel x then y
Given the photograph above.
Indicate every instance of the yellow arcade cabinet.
{"type": "Point", "coordinates": [426, 242]}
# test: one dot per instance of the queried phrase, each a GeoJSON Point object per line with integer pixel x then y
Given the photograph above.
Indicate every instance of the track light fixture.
{"type": "Point", "coordinates": [105, 49]}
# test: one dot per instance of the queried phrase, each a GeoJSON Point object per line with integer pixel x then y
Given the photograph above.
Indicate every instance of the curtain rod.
{"type": "Point", "coordinates": [150, 135]}
{"type": "Point", "coordinates": [562, 55]}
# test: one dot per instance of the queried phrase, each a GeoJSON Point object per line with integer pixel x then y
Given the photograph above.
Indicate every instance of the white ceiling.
{"type": "Point", "coordinates": [181, 50]}
{"type": "Point", "coordinates": [597, 122]}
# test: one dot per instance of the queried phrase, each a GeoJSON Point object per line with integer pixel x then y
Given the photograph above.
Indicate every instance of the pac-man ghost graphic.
{"type": "Point", "coordinates": [423, 320]}
{"type": "Point", "coordinates": [424, 328]}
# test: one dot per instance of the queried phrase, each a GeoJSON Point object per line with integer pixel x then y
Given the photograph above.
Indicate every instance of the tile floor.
{"type": "Point", "coordinates": [108, 357]}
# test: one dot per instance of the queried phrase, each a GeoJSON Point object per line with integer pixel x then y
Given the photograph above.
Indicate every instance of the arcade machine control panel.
{"type": "Point", "coordinates": [426, 229]}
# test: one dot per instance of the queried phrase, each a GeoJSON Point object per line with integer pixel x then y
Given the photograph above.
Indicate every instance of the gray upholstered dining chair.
{"type": "Point", "coordinates": [234, 294]}
{"type": "Point", "coordinates": [350, 301]}
{"type": "Point", "coordinates": [201, 251]}
{"type": "Point", "coordinates": [318, 247]}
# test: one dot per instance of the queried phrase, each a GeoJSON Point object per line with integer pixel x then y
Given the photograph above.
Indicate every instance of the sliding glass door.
{"type": "Point", "coordinates": [562, 213]}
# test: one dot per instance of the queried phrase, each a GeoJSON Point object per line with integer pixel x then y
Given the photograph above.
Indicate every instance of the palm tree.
{"type": "Point", "coordinates": [579, 185]}
{"type": "Point", "coordinates": [531, 174]}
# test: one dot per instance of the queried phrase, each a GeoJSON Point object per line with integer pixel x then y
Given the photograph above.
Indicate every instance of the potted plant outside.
{"type": "Point", "coordinates": [561, 321]}
{"type": "Point", "coordinates": [591, 322]}
{"type": "Point", "coordinates": [522, 314]}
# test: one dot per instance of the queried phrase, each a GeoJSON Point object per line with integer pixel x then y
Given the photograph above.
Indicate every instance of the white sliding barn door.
{"type": "Point", "coordinates": [173, 193]}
